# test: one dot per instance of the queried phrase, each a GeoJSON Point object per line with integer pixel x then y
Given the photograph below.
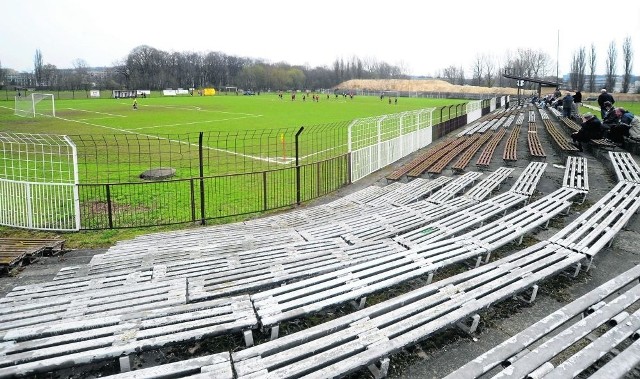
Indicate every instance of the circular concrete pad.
{"type": "Point", "coordinates": [158, 173]}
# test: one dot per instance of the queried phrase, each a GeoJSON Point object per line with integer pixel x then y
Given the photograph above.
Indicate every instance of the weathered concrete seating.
{"type": "Point", "coordinates": [461, 220]}
{"type": "Point", "coordinates": [368, 337]}
{"type": "Point", "coordinates": [109, 326]}
{"type": "Point", "coordinates": [490, 183]}
{"type": "Point", "coordinates": [625, 167]}
{"type": "Point", "coordinates": [414, 190]}
{"type": "Point", "coordinates": [529, 353]}
{"type": "Point", "coordinates": [356, 282]}
{"type": "Point", "coordinates": [214, 366]}
{"type": "Point", "coordinates": [595, 228]}
{"type": "Point", "coordinates": [528, 180]}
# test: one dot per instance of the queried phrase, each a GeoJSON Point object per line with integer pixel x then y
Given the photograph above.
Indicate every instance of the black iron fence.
{"type": "Point", "coordinates": [212, 175]}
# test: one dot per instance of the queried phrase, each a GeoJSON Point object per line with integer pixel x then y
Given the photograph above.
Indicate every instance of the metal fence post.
{"type": "Point", "coordinates": [298, 189]}
{"type": "Point", "coordinates": [109, 208]}
{"type": "Point", "coordinates": [201, 164]}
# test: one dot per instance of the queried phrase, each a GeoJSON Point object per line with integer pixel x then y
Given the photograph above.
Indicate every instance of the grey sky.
{"type": "Point", "coordinates": [423, 36]}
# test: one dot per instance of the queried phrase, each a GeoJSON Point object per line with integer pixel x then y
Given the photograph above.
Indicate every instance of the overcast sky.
{"type": "Point", "coordinates": [423, 36]}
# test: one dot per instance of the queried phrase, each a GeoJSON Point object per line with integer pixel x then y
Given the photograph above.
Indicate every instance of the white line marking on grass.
{"type": "Point", "coordinates": [96, 118]}
{"type": "Point", "coordinates": [198, 109]}
{"type": "Point", "coordinates": [108, 114]}
{"type": "Point", "coordinates": [270, 160]}
{"type": "Point", "coordinates": [195, 122]}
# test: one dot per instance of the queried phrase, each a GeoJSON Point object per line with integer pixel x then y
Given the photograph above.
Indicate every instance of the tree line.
{"type": "Point", "coordinates": [146, 67]}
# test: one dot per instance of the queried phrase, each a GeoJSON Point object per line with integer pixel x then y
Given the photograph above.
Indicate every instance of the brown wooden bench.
{"type": "Point", "coordinates": [464, 160]}
{"type": "Point", "coordinates": [15, 251]}
{"type": "Point", "coordinates": [510, 149]}
{"type": "Point", "coordinates": [402, 170]}
{"type": "Point", "coordinates": [558, 137]}
{"type": "Point", "coordinates": [535, 147]}
{"type": "Point", "coordinates": [422, 167]}
{"type": "Point", "coordinates": [441, 163]}
{"type": "Point", "coordinates": [487, 153]}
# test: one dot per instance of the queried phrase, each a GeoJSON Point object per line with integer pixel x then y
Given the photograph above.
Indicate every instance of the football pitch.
{"type": "Point", "coordinates": [231, 155]}
{"type": "Point", "coordinates": [241, 133]}
{"type": "Point", "coordinates": [180, 115]}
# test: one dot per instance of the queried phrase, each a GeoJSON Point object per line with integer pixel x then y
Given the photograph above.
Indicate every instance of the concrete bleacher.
{"type": "Point", "coordinates": [530, 352]}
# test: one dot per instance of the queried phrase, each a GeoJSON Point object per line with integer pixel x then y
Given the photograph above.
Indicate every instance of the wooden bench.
{"type": "Point", "coordinates": [463, 219]}
{"type": "Point", "coordinates": [16, 251]}
{"type": "Point", "coordinates": [576, 175]}
{"type": "Point", "coordinates": [530, 352]}
{"type": "Point", "coordinates": [484, 160]}
{"type": "Point", "coordinates": [513, 226]}
{"type": "Point", "coordinates": [603, 143]}
{"type": "Point", "coordinates": [214, 366]}
{"type": "Point", "coordinates": [510, 153]}
{"type": "Point", "coordinates": [490, 183]}
{"type": "Point", "coordinates": [426, 156]}
{"type": "Point", "coordinates": [442, 162]}
{"type": "Point", "coordinates": [465, 158]}
{"type": "Point", "coordinates": [454, 188]}
{"type": "Point", "coordinates": [415, 190]}
{"type": "Point", "coordinates": [595, 228]}
{"type": "Point", "coordinates": [625, 167]}
{"type": "Point", "coordinates": [528, 180]}
{"type": "Point", "coordinates": [533, 140]}
{"type": "Point", "coordinates": [366, 338]}
{"type": "Point", "coordinates": [356, 282]}
{"type": "Point", "coordinates": [113, 324]}
{"type": "Point", "coordinates": [561, 141]}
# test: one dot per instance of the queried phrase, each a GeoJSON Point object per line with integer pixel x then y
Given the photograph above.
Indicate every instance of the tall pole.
{"type": "Point", "coordinates": [557, 59]}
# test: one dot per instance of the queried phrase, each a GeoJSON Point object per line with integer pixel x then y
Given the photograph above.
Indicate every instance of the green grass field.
{"type": "Point", "coordinates": [242, 133]}
{"type": "Point", "coordinates": [181, 115]}
{"type": "Point", "coordinates": [248, 149]}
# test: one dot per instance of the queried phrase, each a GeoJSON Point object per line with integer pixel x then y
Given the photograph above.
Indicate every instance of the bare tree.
{"type": "Point", "coordinates": [50, 75]}
{"type": "Point", "coordinates": [489, 71]}
{"type": "Point", "coordinates": [578, 65]}
{"type": "Point", "coordinates": [592, 68]}
{"type": "Point", "coordinates": [478, 69]}
{"type": "Point", "coordinates": [37, 66]}
{"type": "Point", "coordinates": [610, 64]}
{"type": "Point", "coordinates": [460, 77]}
{"type": "Point", "coordinates": [449, 74]}
{"type": "Point", "coordinates": [627, 56]}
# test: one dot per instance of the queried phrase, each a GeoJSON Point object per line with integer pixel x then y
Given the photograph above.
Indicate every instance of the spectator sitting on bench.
{"type": "Point", "coordinates": [590, 128]}
{"type": "Point", "coordinates": [625, 123]}
{"type": "Point", "coordinates": [609, 117]}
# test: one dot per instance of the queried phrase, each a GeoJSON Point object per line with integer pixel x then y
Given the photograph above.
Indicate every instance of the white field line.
{"type": "Point", "coordinates": [270, 160]}
{"type": "Point", "coordinates": [195, 122]}
{"type": "Point", "coordinates": [194, 108]}
{"type": "Point", "coordinates": [108, 114]}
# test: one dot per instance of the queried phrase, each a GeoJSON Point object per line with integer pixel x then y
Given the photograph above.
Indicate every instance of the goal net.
{"type": "Point", "coordinates": [36, 104]}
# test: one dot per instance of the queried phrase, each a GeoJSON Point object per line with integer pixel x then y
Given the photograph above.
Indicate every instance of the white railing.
{"type": "Point", "coordinates": [38, 182]}
{"type": "Point", "coordinates": [375, 142]}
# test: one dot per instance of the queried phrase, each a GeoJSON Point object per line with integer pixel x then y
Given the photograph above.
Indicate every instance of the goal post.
{"type": "Point", "coordinates": [36, 104]}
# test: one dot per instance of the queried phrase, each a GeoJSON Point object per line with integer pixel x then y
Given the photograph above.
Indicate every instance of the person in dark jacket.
{"type": "Point", "coordinates": [590, 128]}
{"type": "Point", "coordinates": [621, 129]}
{"type": "Point", "coordinates": [604, 97]}
{"type": "Point", "coordinates": [577, 98]}
{"type": "Point", "coordinates": [567, 105]}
